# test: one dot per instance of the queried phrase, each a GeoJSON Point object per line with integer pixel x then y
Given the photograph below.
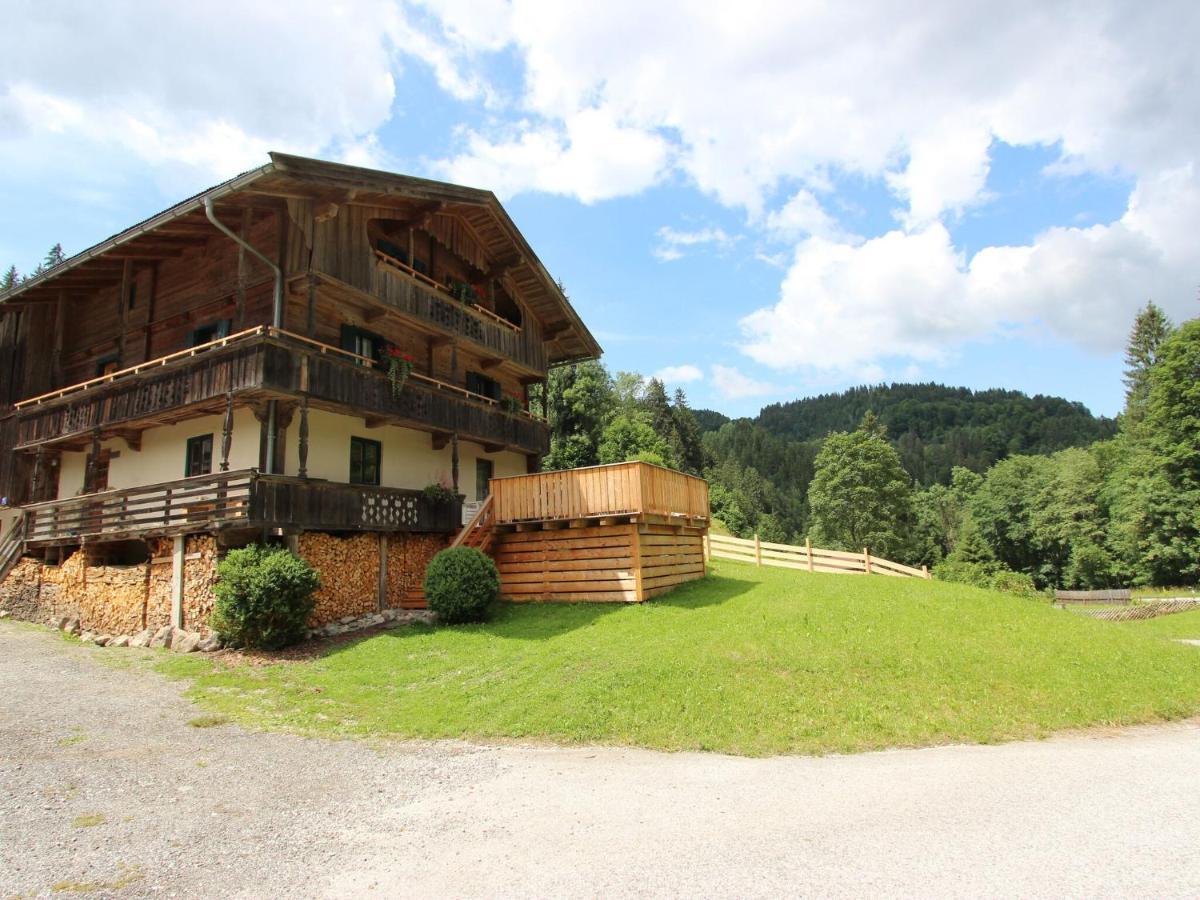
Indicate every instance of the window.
{"type": "Point", "coordinates": [364, 461]}
{"type": "Point", "coordinates": [481, 384]}
{"type": "Point", "coordinates": [484, 469]}
{"type": "Point", "coordinates": [199, 456]}
{"type": "Point", "coordinates": [213, 331]}
{"type": "Point", "coordinates": [106, 365]}
{"type": "Point", "coordinates": [362, 342]}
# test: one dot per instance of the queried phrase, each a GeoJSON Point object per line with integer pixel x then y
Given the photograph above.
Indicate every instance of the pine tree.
{"type": "Point", "coordinates": [1150, 329]}
{"type": "Point", "coordinates": [10, 280]}
{"type": "Point", "coordinates": [685, 443]}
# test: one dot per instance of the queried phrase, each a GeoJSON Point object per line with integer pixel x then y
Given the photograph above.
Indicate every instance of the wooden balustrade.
{"type": "Point", "coordinates": [271, 362]}
{"type": "Point", "coordinates": [633, 488]}
{"type": "Point", "coordinates": [239, 499]}
{"type": "Point", "coordinates": [413, 294]}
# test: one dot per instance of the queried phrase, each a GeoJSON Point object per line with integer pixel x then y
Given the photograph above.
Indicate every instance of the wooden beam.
{"type": "Point", "coordinates": [123, 308]}
{"type": "Point", "coordinates": [490, 362]}
{"type": "Point", "coordinates": [492, 448]}
{"type": "Point", "coordinates": [440, 440]}
{"type": "Point", "coordinates": [375, 421]}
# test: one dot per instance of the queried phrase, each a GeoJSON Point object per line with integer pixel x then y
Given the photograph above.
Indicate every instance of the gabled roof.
{"type": "Point", "coordinates": [296, 176]}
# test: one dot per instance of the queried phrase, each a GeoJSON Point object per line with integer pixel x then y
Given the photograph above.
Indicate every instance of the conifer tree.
{"type": "Point", "coordinates": [1150, 329]}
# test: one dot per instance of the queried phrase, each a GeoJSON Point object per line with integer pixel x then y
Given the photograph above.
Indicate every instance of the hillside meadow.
{"type": "Point", "coordinates": [747, 661]}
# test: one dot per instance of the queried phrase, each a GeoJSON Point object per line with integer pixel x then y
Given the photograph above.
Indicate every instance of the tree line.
{"type": "Point", "coordinates": [991, 487]}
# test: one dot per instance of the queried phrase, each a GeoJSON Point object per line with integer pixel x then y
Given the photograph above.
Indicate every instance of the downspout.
{"type": "Point", "coordinates": [276, 315]}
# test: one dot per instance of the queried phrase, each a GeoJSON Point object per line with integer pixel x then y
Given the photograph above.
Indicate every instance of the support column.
{"type": "Point", "coordinates": [177, 563]}
{"type": "Point", "coordinates": [35, 486]}
{"type": "Point", "coordinates": [454, 461]}
{"type": "Point", "coordinates": [93, 460]}
{"type": "Point", "coordinates": [227, 432]}
{"type": "Point", "coordinates": [383, 572]}
{"type": "Point", "coordinates": [123, 309]}
{"type": "Point", "coordinates": [303, 442]}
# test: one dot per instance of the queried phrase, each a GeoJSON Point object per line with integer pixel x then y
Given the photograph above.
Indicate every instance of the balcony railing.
{"type": "Point", "coordinates": [623, 489]}
{"type": "Point", "coordinates": [238, 499]}
{"type": "Point", "coordinates": [273, 362]}
{"type": "Point", "coordinates": [413, 294]}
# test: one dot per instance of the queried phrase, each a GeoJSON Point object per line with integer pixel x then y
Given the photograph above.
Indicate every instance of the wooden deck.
{"type": "Point", "coordinates": [264, 363]}
{"type": "Point", "coordinates": [618, 533]}
{"type": "Point", "coordinates": [243, 499]}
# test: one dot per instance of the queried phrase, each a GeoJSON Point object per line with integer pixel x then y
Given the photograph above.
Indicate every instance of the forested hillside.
{"type": "Point", "coordinates": [935, 427]}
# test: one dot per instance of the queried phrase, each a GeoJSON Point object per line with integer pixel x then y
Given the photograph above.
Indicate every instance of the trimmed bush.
{"type": "Point", "coordinates": [263, 597]}
{"type": "Point", "coordinates": [1014, 583]}
{"type": "Point", "coordinates": [460, 584]}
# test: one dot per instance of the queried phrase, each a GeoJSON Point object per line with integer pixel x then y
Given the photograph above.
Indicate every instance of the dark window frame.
{"type": "Point", "coordinates": [484, 385]}
{"type": "Point", "coordinates": [482, 486]}
{"type": "Point", "coordinates": [210, 331]}
{"type": "Point", "coordinates": [204, 442]}
{"type": "Point", "coordinates": [358, 447]}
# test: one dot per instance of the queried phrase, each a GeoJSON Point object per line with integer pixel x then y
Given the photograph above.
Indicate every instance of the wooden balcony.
{"type": "Point", "coordinates": [413, 294]}
{"type": "Point", "coordinates": [621, 491]}
{"type": "Point", "coordinates": [266, 363]}
{"type": "Point", "coordinates": [244, 499]}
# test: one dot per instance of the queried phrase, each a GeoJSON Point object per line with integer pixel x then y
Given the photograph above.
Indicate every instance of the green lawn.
{"type": "Point", "coordinates": [747, 661]}
{"type": "Point", "coordinates": [1176, 625]}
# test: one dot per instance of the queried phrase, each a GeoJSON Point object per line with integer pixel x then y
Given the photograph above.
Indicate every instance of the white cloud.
{"type": "Point", "coordinates": [795, 90]}
{"type": "Point", "coordinates": [734, 385]}
{"type": "Point", "coordinates": [591, 156]}
{"type": "Point", "coordinates": [684, 374]}
{"type": "Point", "coordinates": [802, 216]}
{"type": "Point", "coordinates": [672, 241]}
{"type": "Point", "coordinates": [176, 87]}
{"type": "Point", "coordinates": [912, 295]}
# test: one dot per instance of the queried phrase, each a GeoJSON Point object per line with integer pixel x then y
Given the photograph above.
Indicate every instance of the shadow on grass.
{"type": "Point", "coordinates": [534, 621]}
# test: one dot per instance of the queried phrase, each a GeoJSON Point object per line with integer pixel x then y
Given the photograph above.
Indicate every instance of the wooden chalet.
{"type": "Point", "coordinates": [222, 372]}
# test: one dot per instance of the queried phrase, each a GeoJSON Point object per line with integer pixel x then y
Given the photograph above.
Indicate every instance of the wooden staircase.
{"type": "Point", "coordinates": [12, 546]}
{"type": "Point", "coordinates": [480, 531]}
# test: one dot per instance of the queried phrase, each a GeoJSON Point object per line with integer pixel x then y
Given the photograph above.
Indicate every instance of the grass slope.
{"type": "Point", "coordinates": [1176, 626]}
{"type": "Point", "coordinates": [747, 661]}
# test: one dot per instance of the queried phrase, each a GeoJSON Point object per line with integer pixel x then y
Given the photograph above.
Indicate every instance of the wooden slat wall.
{"type": "Point", "coordinates": [603, 563]}
{"type": "Point", "coordinates": [669, 557]}
{"type": "Point", "coordinates": [574, 564]}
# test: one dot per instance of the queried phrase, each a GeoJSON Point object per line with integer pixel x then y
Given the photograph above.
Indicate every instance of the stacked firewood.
{"type": "Point", "coordinates": [349, 569]}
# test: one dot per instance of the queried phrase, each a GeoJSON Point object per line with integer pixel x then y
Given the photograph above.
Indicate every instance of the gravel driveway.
{"type": "Point", "coordinates": [106, 788]}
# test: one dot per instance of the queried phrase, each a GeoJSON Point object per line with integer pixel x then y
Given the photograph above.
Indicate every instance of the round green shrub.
{"type": "Point", "coordinates": [1014, 583]}
{"type": "Point", "coordinates": [264, 597]}
{"type": "Point", "coordinates": [460, 584]}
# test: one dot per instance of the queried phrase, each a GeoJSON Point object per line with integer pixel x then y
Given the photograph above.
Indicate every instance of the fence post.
{"type": "Point", "coordinates": [808, 552]}
{"type": "Point", "coordinates": [707, 548]}
{"type": "Point", "coordinates": [757, 550]}
{"type": "Point", "coordinates": [867, 560]}
{"type": "Point", "coordinates": [925, 571]}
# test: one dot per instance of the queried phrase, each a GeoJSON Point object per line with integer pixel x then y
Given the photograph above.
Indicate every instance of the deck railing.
{"type": "Point", "coordinates": [633, 488]}
{"type": "Point", "coordinates": [271, 360]}
{"type": "Point", "coordinates": [414, 294]}
{"type": "Point", "coordinates": [242, 498]}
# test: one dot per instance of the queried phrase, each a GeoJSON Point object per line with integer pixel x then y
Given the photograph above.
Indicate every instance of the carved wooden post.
{"type": "Point", "coordinates": [35, 487]}
{"type": "Point", "coordinates": [303, 442]}
{"type": "Point", "coordinates": [454, 461]}
{"type": "Point", "coordinates": [227, 432]}
{"type": "Point", "coordinates": [93, 466]}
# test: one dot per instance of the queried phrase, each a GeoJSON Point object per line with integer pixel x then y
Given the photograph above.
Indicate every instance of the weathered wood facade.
{"type": "Point", "coordinates": [263, 315]}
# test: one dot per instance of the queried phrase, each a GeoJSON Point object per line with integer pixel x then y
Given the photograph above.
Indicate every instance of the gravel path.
{"type": "Point", "coordinates": [105, 787]}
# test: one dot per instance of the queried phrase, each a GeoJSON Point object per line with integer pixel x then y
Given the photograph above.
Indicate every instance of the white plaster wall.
{"type": "Point", "coordinates": [409, 460]}
{"type": "Point", "coordinates": [163, 453]}
{"type": "Point", "coordinates": [408, 457]}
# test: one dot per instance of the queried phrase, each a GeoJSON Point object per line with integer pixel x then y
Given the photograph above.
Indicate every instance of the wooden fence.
{"type": "Point", "coordinates": [807, 558]}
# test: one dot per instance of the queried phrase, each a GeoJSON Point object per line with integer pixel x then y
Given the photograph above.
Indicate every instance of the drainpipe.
{"type": "Point", "coordinates": [276, 315]}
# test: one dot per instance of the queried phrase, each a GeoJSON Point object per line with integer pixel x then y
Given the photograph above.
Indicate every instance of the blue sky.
{"type": "Point", "coordinates": [761, 203]}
